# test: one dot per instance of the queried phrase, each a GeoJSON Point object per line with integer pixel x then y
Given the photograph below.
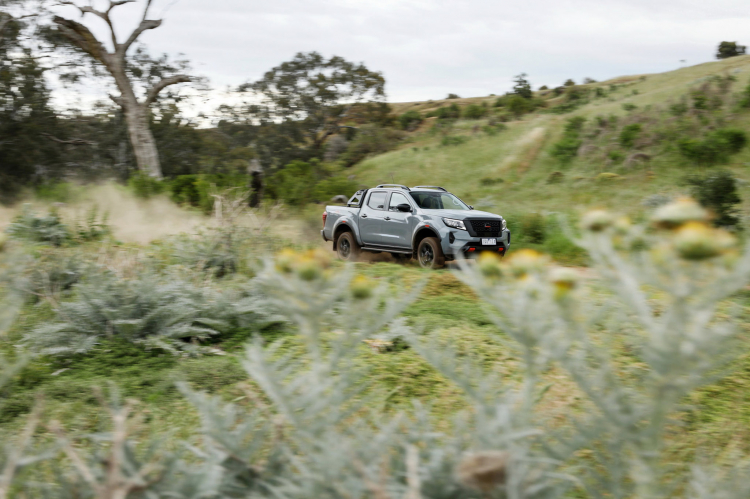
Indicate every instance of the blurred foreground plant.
{"type": "Point", "coordinates": [312, 431]}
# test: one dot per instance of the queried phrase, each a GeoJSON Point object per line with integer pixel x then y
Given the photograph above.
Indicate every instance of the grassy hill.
{"type": "Point", "coordinates": [510, 171]}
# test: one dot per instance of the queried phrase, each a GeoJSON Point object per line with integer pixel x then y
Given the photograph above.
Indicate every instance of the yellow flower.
{"type": "Point", "coordinates": [286, 260]}
{"type": "Point", "coordinates": [698, 241]}
{"type": "Point", "coordinates": [489, 265]}
{"type": "Point", "coordinates": [361, 287]}
{"type": "Point", "coordinates": [680, 212]}
{"type": "Point", "coordinates": [564, 279]}
{"type": "Point", "coordinates": [526, 261]}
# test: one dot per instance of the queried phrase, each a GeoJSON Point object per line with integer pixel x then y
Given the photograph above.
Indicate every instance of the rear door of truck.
{"type": "Point", "coordinates": [371, 217]}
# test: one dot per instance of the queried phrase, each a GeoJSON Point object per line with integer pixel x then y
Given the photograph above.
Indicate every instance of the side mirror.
{"type": "Point", "coordinates": [471, 207]}
{"type": "Point", "coordinates": [404, 207]}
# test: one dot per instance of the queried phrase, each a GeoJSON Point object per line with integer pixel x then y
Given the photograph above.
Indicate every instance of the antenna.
{"type": "Point", "coordinates": [392, 180]}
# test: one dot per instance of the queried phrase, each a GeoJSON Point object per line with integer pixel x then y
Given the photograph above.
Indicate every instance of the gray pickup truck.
{"type": "Point", "coordinates": [425, 222]}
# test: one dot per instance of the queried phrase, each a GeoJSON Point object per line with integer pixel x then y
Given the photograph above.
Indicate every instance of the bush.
{"type": "Point", "coordinates": [716, 147]}
{"type": "Point", "coordinates": [616, 155]}
{"type": "Point", "coordinates": [474, 112]}
{"type": "Point", "coordinates": [629, 134]}
{"type": "Point", "coordinates": [144, 186]}
{"type": "Point", "coordinates": [629, 106]}
{"type": "Point", "coordinates": [679, 108]}
{"type": "Point", "coordinates": [28, 226]}
{"type": "Point", "coordinates": [533, 228]}
{"type": "Point", "coordinates": [455, 140]}
{"type": "Point", "coordinates": [198, 190]}
{"type": "Point", "coordinates": [453, 96]}
{"type": "Point", "coordinates": [410, 120]}
{"type": "Point", "coordinates": [717, 191]}
{"type": "Point", "coordinates": [567, 148]}
{"type": "Point", "coordinates": [730, 49]}
{"type": "Point", "coordinates": [370, 140]}
{"type": "Point", "coordinates": [452, 112]}
{"type": "Point", "coordinates": [158, 312]}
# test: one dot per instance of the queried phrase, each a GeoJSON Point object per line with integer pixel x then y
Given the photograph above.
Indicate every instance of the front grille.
{"type": "Point", "coordinates": [487, 228]}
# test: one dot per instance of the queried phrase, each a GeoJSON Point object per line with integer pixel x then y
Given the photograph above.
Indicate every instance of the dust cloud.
{"type": "Point", "coordinates": [132, 219]}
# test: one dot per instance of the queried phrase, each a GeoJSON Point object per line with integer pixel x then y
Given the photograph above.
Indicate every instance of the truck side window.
{"type": "Point", "coordinates": [377, 200]}
{"type": "Point", "coordinates": [396, 199]}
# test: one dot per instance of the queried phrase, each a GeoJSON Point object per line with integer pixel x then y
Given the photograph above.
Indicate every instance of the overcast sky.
{"type": "Point", "coordinates": [428, 48]}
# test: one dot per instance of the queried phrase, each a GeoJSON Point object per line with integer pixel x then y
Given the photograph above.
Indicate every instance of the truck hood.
{"type": "Point", "coordinates": [462, 214]}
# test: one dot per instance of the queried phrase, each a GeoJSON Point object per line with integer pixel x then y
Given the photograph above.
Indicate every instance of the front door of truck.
{"type": "Point", "coordinates": [396, 226]}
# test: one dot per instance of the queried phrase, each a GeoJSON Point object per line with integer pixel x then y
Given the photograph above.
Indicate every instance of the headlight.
{"type": "Point", "coordinates": [454, 224]}
{"type": "Point", "coordinates": [505, 224]}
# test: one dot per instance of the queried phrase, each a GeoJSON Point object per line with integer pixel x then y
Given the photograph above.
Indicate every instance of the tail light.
{"type": "Point", "coordinates": [325, 215]}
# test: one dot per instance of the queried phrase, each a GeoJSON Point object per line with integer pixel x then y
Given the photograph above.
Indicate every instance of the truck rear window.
{"type": "Point", "coordinates": [377, 200]}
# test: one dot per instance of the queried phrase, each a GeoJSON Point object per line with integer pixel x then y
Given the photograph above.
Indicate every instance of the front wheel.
{"type": "Point", "coordinates": [430, 254]}
{"type": "Point", "coordinates": [347, 248]}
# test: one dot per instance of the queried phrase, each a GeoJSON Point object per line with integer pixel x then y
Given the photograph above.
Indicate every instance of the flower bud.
{"type": "Point", "coordinates": [286, 260]}
{"type": "Point", "coordinates": [526, 261]}
{"type": "Point", "coordinates": [597, 220]}
{"type": "Point", "coordinates": [484, 470]}
{"type": "Point", "coordinates": [682, 211]}
{"type": "Point", "coordinates": [697, 241]}
{"type": "Point", "coordinates": [361, 287]}
{"type": "Point", "coordinates": [489, 265]}
{"type": "Point", "coordinates": [564, 279]}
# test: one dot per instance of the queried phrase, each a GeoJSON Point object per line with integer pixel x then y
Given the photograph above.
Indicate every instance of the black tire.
{"type": "Point", "coordinates": [347, 248]}
{"type": "Point", "coordinates": [430, 254]}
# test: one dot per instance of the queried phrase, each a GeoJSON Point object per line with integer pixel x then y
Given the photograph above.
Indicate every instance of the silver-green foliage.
{"type": "Point", "coordinates": [314, 430]}
{"type": "Point", "coordinates": [161, 311]}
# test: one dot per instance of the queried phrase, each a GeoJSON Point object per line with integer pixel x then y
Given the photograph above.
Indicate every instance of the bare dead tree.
{"type": "Point", "coordinates": [135, 110]}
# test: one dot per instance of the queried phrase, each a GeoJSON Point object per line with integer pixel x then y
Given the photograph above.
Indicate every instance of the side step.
{"type": "Point", "coordinates": [387, 250]}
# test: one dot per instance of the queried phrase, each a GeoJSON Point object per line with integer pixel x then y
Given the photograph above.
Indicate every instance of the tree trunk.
{"type": "Point", "coordinates": [144, 145]}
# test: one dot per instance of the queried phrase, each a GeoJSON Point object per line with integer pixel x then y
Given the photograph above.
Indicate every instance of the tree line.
{"type": "Point", "coordinates": [139, 127]}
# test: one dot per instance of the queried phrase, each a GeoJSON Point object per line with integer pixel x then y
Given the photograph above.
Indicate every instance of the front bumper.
{"type": "Point", "coordinates": [459, 242]}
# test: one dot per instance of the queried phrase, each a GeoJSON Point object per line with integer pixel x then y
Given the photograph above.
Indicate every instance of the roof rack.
{"type": "Point", "coordinates": [393, 185]}
{"type": "Point", "coordinates": [431, 187]}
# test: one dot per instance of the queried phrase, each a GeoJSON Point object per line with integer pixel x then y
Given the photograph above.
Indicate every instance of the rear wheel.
{"type": "Point", "coordinates": [430, 254]}
{"type": "Point", "coordinates": [347, 247]}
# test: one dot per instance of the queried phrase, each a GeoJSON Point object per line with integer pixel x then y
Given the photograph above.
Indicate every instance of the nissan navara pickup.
{"type": "Point", "coordinates": [424, 222]}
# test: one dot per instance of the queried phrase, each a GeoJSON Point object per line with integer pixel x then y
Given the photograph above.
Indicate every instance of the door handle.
{"type": "Point", "coordinates": [364, 216]}
{"type": "Point", "coordinates": [387, 218]}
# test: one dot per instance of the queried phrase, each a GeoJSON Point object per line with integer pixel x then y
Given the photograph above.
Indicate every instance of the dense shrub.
{"type": "Point", "coordinates": [533, 228]}
{"type": "Point", "coordinates": [567, 148]}
{"type": "Point", "coordinates": [717, 191]}
{"type": "Point", "coordinates": [629, 106]}
{"type": "Point", "coordinates": [474, 112]}
{"type": "Point", "coordinates": [370, 140]}
{"type": "Point", "coordinates": [629, 134]}
{"type": "Point", "coordinates": [453, 96]}
{"type": "Point", "coordinates": [29, 226]}
{"type": "Point", "coordinates": [453, 140]}
{"type": "Point", "coordinates": [144, 186]}
{"type": "Point", "coordinates": [159, 312]}
{"type": "Point", "coordinates": [730, 49]}
{"type": "Point", "coordinates": [452, 112]}
{"type": "Point", "coordinates": [198, 190]}
{"type": "Point", "coordinates": [410, 120]}
{"type": "Point", "coordinates": [716, 147]}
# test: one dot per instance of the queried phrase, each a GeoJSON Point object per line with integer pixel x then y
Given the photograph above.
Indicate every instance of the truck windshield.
{"type": "Point", "coordinates": [438, 201]}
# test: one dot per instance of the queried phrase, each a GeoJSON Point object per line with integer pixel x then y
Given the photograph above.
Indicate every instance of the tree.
{"type": "Point", "coordinates": [730, 49]}
{"type": "Point", "coordinates": [120, 67]}
{"type": "Point", "coordinates": [316, 95]}
{"type": "Point", "coordinates": [522, 86]}
{"type": "Point", "coordinates": [25, 115]}
{"type": "Point", "coordinates": [717, 191]}
{"type": "Point", "coordinates": [569, 82]}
